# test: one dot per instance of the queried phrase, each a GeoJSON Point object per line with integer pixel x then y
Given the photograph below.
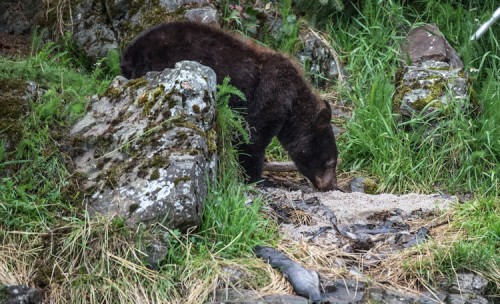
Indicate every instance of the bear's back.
{"type": "Point", "coordinates": [162, 46]}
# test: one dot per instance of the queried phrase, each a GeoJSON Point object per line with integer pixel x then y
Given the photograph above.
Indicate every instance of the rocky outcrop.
{"type": "Point", "coordinates": [100, 26]}
{"type": "Point", "coordinates": [16, 17]}
{"type": "Point", "coordinates": [432, 77]}
{"type": "Point", "coordinates": [319, 58]}
{"type": "Point", "coordinates": [148, 147]}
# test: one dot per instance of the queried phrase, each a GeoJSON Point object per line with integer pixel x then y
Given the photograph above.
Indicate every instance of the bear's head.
{"type": "Point", "coordinates": [133, 64]}
{"type": "Point", "coordinates": [317, 158]}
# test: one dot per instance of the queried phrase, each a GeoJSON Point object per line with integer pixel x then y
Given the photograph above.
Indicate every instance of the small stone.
{"type": "Point", "coordinates": [465, 299]}
{"type": "Point", "coordinates": [156, 252]}
{"type": "Point", "coordinates": [206, 15]}
{"type": "Point", "coordinates": [363, 185]}
{"type": "Point", "coordinates": [233, 275]}
{"type": "Point", "coordinates": [468, 283]}
{"type": "Point", "coordinates": [344, 291]}
{"type": "Point", "coordinates": [20, 294]}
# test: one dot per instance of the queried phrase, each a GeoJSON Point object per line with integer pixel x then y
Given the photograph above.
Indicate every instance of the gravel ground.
{"type": "Point", "coordinates": [355, 207]}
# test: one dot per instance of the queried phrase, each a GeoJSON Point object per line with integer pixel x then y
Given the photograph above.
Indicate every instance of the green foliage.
{"type": "Point", "coordinates": [101, 258]}
{"type": "Point", "coordinates": [240, 16]}
{"type": "Point", "coordinates": [319, 12]}
{"type": "Point", "coordinates": [232, 225]}
{"type": "Point", "coordinates": [276, 152]}
{"type": "Point", "coordinates": [231, 127]}
{"type": "Point", "coordinates": [34, 176]}
{"type": "Point", "coordinates": [287, 39]}
{"type": "Point", "coordinates": [228, 217]}
{"type": "Point", "coordinates": [459, 153]}
{"type": "Point", "coordinates": [473, 247]}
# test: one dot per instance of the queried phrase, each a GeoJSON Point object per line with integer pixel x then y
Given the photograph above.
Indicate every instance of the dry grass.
{"type": "Point", "coordinates": [95, 261]}
{"type": "Point", "coordinates": [409, 270]}
{"type": "Point", "coordinates": [419, 266]}
{"type": "Point", "coordinates": [18, 251]}
{"type": "Point", "coordinates": [60, 10]}
{"type": "Point", "coordinates": [392, 269]}
{"type": "Point", "coordinates": [328, 260]}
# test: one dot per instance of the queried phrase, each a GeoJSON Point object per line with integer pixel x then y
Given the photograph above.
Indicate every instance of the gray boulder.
{"type": "Point", "coordinates": [425, 43]}
{"type": "Point", "coordinates": [432, 77]}
{"type": "Point", "coordinates": [148, 146]}
{"type": "Point", "coordinates": [433, 85]}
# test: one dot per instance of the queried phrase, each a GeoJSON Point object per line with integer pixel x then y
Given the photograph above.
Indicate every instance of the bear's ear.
{"type": "Point", "coordinates": [322, 119]}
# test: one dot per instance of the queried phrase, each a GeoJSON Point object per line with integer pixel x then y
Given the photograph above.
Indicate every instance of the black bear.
{"type": "Point", "coordinates": [279, 101]}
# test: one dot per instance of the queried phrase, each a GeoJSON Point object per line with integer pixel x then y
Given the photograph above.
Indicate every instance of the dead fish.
{"type": "Point", "coordinates": [305, 282]}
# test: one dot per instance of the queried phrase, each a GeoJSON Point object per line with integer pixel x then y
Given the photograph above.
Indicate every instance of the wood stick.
{"type": "Point", "coordinates": [280, 166]}
{"type": "Point", "coordinates": [283, 166]}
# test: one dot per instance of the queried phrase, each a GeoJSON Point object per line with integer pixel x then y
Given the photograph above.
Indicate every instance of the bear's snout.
{"type": "Point", "coordinates": [326, 181]}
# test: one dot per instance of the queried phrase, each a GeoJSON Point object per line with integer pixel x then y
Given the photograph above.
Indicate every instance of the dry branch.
{"type": "Point", "coordinates": [280, 166]}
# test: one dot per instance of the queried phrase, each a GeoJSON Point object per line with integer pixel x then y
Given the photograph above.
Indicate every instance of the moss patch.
{"type": "Point", "coordinates": [153, 14]}
{"type": "Point", "coordinates": [112, 92]}
{"type": "Point", "coordinates": [136, 83]}
{"type": "Point", "coordinates": [370, 186]}
{"type": "Point", "coordinates": [155, 174]}
{"type": "Point", "coordinates": [181, 179]}
{"type": "Point", "coordinates": [132, 208]}
{"type": "Point", "coordinates": [436, 90]}
{"type": "Point", "coordinates": [13, 107]}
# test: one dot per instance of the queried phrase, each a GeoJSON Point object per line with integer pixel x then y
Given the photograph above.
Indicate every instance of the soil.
{"type": "Point", "coordinates": [14, 45]}
{"type": "Point", "coordinates": [359, 232]}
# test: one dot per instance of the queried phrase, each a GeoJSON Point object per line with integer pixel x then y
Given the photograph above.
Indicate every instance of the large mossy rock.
{"type": "Point", "coordinates": [432, 77]}
{"type": "Point", "coordinates": [147, 148]}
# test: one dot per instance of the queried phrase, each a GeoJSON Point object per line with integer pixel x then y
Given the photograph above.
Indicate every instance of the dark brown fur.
{"type": "Point", "coordinates": [279, 101]}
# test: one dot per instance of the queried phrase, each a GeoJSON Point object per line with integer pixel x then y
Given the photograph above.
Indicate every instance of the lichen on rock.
{"type": "Point", "coordinates": [146, 149]}
{"type": "Point", "coordinates": [433, 77]}
{"type": "Point", "coordinates": [434, 85]}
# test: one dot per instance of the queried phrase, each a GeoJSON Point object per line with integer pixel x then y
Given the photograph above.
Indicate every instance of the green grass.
{"type": "Point", "coordinates": [458, 153]}
{"type": "Point", "coordinates": [231, 217]}
{"type": "Point", "coordinates": [471, 245]}
{"type": "Point", "coordinates": [462, 152]}
{"type": "Point", "coordinates": [32, 194]}
{"type": "Point", "coordinates": [88, 259]}
{"type": "Point", "coordinates": [92, 259]}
